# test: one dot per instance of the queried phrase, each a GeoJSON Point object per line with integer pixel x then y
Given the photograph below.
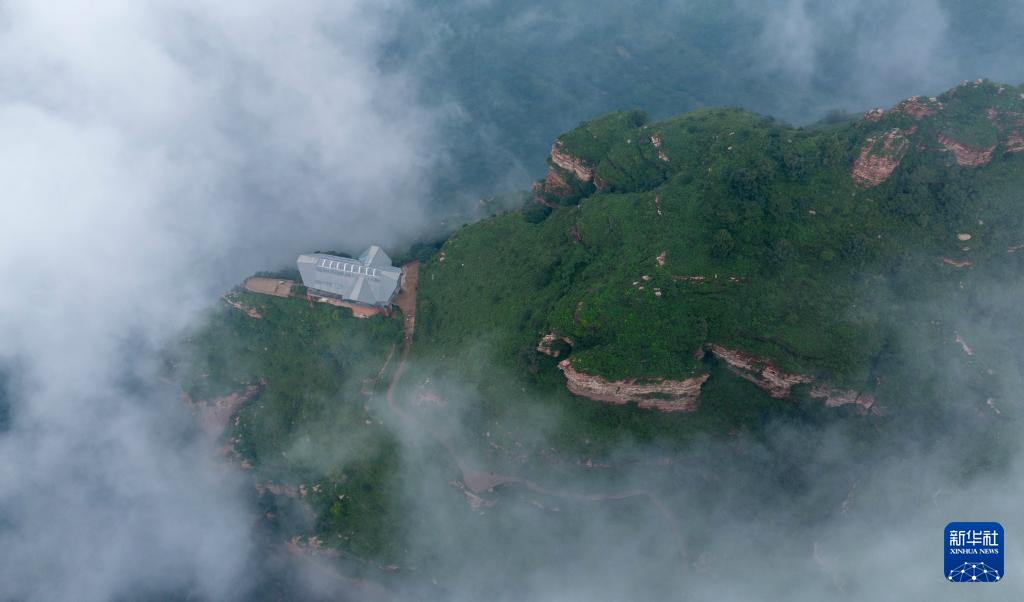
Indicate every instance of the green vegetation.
{"type": "Point", "coordinates": [591, 140]}
{"type": "Point", "coordinates": [717, 226]}
{"type": "Point", "coordinates": [522, 73]}
{"type": "Point", "coordinates": [315, 424]}
{"type": "Point", "coordinates": [768, 246]}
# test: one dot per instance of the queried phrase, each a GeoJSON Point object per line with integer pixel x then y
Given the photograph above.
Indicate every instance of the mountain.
{"type": "Point", "coordinates": [519, 74]}
{"type": "Point", "coordinates": [796, 256]}
{"type": "Point", "coordinates": [668, 287]}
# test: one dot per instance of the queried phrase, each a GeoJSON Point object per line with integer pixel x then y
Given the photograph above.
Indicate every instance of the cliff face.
{"type": "Point", "coordinates": [549, 344]}
{"type": "Point", "coordinates": [1010, 124]}
{"type": "Point", "coordinates": [879, 157]}
{"type": "Point", "coordinates": [759, 371]}
{"type": "Point", "coordinates": [966, 156]}
{"type": "Point", "coordinates": [569, 163]}
{"type": "Point", "coordinates": [918, 107]}
{"type": "Point", "coordinates": [664, 395]}
{"type": "Point", "coordinates": [835, 397]}
{"type": "Point", "coordinates": [683, 395]}
{"type": "Point", "coordinates": [943, 124]}
{"type": "Point", "coordinates": [1015, 143]}
{"type": "Point", "coordinates": [556, 185]}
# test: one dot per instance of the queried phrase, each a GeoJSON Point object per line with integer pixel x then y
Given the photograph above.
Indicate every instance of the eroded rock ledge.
{"type": "Point", "coordinates": [682, 395]}
{"type": "Point", "coordinates": [759, 371]}
{"type": "Point", "coordinates": [966, 156]}
{"type": "Point", "coordinates": [557, 183]}
{"type": "Point", "coordinates": [664, 395]}
{"type": "Point", "coordinates": [879, 157]}
{"type": "Point", "coordinates": [835, 397]}
{"type": "Point", "coordinates": [570, 163]}
{"type": "Point", "coordinates": [549, 344]}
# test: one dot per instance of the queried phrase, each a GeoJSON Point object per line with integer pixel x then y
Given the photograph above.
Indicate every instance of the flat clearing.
{"type": "Point", "coordinates": [269, 286]}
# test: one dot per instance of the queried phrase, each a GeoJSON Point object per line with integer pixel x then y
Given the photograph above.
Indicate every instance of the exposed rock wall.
{"type": "Point", "coordinates": [879, 157]}
{"type": "Point", "coordinates": [1014, 143]}
{"type": "Point", "coordinates": [835, 397]}
{"type": "Point", "coordinates": [683, 395]}
{"type": "Point", "coordinates": [664, 395]}
{"type": "Point", "coordinates": [966, 156]}
{"type": "Point", "coordinates": [759, 371]}
{"type": "Point", "coordinates": [547, 344]}
{"type": "Point", "coordinates": [556, 184]}
{"type": "Point", "coordinates": [1009, 124]}
{"type": "Point", "coordinates": [875, 114]}
{"type": "Point", "coordinates": [918, 107]}
{"type": "Point", "coordinates": [570, 163]}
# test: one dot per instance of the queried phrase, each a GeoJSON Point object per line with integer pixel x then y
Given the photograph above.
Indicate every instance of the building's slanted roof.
{"type": "Point", "coordinates": [370, 280]}
{"type": "Point", "coordinates": [376, 257]}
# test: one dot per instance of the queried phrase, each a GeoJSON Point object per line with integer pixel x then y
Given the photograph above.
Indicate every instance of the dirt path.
{"type": "Point", "coordinates": [406, 301]}
{"type": "Point", "coordinates": [478, 481]}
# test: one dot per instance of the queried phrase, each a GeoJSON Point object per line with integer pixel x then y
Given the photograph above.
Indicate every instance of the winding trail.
{"type": "Point", "coordinates": [406, 301]}
{"type": "Point", "coordinates": [478, 481]}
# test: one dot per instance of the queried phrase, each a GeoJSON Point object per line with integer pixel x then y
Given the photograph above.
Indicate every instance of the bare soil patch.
{"type": "Point", "coordinates": [269, 286]}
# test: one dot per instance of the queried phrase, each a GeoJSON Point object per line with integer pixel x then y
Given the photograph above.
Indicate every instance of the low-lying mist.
{"type": "Point", "coordinates": [157, 153]}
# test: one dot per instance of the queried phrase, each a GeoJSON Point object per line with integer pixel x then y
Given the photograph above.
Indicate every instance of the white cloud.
{"type": "Point", "coordinates": [153, 154]}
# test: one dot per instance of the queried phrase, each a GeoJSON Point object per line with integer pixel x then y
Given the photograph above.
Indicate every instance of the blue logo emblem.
{"type": "Point", "coordinates": [974, 552]}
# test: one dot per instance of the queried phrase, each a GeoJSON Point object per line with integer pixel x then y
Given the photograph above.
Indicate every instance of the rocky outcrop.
{"type": "Point", "coordinates": [682, 395]}
{"type": "Point", "coordinates": [875, 114]}
{"type": "Point", "coordinates": [1014, 143]}
{"type": "Point", "coordinates": [1009, 124]}
{"type": "Point", "coordinates": [779, 384]}
{"type": "Point", "coordinates": [556, 184]}
{"type": "Point", "coordinates": [759, 371]}
{"type": "Point", "coordinates": [664, 395]}
{"type": "Point", "coordinates": [879, 157]}
{"type": "Point", "coordinates": [569, 163]}
{"type": "Point", "coordinates": [539, 196]}
{"type": "Point", "coordinates": [548, 344]}
{"type": "Point", "coordinates": [966, 156]}
{"type": "Point", "coordinates": [835, 397]}
{"type": "Point", "coordinates": [964, 346]}
{"type": "Point", "coordinates": [214, 415]}
{"type": "Point", "coordinates": [252, 312]}
{"type": "Point", "coordinates": [918, 107]}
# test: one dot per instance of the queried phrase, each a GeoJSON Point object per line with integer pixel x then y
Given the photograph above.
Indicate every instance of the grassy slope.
{"type": "Point", "coordinates": [310, 424]}
{"type": "Point", "coordinates": [833, 292]}
{"type": "Point", "coordinates": [820, 262]}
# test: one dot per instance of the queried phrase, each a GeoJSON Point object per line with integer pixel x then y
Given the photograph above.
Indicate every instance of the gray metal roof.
{"type": "Point", "coordinates": [370, 280]}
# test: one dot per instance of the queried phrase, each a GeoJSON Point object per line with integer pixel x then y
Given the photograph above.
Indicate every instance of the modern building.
{"type": "Point", "coordinates": [370, 280]}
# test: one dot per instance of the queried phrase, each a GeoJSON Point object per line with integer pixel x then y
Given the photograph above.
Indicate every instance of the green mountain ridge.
{"type": "Point", "coordinates": [720, 248]}
{"type": "Point", "coordinates": [720, 226]}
